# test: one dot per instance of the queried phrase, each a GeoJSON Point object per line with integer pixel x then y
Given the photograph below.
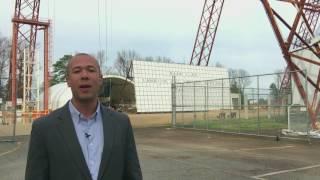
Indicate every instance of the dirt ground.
{"type": "Point", "coordinates": [150, 120]}
{"type": "Point", "coordinates": [137, 121]}
{"type": "Point", "coordinates": [174, 154]}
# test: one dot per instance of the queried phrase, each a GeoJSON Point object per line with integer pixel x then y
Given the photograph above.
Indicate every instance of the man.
{"type": "Point", "coordinates": [83, 140]}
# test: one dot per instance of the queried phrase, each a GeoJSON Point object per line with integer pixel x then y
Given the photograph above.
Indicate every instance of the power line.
{"type": "Point", "coordinates": [99, 26]}
{"type": "Point", "coordinates": [106, 25]}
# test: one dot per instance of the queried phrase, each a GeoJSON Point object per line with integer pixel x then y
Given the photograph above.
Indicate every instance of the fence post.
{"type": "Point", "coordinates": [289, 123]}
{"type": "Point", "coordinates": [206, 94]}
{"type": "Point", "coordinates": [269, 106]}
{"type": "Point", "coordinates": [246, 106]}
{"type": "Point", "coordinates": [173, 101]}
{"type": "Point", "coordinates": [307, 112]}
{"type": "Point", "coordinates": [14, 124]}
{"type": "Point", "coordinates": [194, 104]}
{"type": "Point", "coordinates": [222, 89]}
{"type": "Point", "coordinates": [259, 125]}
{"type": "Point", "coordinates": [224, 121]}
{"type": "Point", "coordinates": [182, 104]}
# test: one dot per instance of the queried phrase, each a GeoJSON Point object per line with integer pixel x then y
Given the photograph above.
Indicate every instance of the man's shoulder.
{"type": "Point", "coordinates": [117, 116]}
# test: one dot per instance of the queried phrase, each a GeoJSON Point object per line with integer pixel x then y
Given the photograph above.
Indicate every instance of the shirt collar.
{"type": "Point", "coordinates": [75, 113]}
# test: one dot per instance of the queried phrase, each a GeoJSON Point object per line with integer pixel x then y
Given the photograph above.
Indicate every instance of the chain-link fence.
{"type": "Point", "coordinates": [257, 105]}
{"type": "Point", "coordinates": [7, 125]}
{"type": "Point", "coordinates": [15, 122]}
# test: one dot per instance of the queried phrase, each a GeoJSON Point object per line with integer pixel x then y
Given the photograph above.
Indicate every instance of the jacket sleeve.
{"type": "Point", "coordinates": [132, 165]}
{"type": "Point", "coordinates": [37, 160]}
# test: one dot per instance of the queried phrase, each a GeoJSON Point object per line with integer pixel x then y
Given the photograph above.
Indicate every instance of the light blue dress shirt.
{"type": "Point", "coordinates": [90, 135]}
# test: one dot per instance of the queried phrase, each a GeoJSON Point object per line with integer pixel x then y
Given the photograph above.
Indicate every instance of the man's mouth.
{"type": "Point", "coordinates": [84, 87]}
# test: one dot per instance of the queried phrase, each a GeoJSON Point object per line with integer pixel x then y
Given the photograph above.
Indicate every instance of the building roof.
{"type": "Point", "coordinates": [122, 91]}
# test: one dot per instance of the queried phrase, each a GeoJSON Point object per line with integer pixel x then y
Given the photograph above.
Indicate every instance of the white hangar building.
{"type": "Point", "coordinates": [150, 88]}
{"type": "Point", "coordinates": [113, 87]}
{"type": "Point", "coordinates": [153, 82]}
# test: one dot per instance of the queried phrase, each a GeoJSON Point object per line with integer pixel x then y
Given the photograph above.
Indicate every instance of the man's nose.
{"type": "Point", "coordinates": [84, 74]}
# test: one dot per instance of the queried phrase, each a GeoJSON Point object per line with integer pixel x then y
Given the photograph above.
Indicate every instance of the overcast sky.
{"type": "Point", "coordinates": [159, 28]}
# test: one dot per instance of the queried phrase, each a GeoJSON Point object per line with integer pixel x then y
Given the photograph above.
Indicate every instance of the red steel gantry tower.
{"type": "Point", "coordinates": [300, 36]}
{"type": "Point", "coordinates": [24, 35]}
{"type": "Point", "coordinates": [207, 30]}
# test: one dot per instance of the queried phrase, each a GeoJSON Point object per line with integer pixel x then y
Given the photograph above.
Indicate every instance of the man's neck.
{"type": "Point", "coordinates": [85, 108]}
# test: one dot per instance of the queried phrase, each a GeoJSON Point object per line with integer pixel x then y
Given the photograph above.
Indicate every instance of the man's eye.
{"type": "Point", "coordinates": [92, 70]}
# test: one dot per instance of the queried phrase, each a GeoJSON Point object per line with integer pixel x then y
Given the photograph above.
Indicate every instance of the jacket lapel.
{"type": "Point", "coordinates": [108, 133]}
{"type": "Point", "coordinates": [66, 127]}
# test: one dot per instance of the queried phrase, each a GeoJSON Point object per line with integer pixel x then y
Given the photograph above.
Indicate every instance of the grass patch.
{"type": "Point", "coordinates": [239, 124]}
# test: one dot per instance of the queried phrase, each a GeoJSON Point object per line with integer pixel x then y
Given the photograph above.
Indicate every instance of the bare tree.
{"type": "Point", "coordinates": [278, 78]}
{"type": "Point", "coordinates": [124, 60]}
{"type": "Point", "coordinates": [239, 79]}
{"type": "Point", "coordinates": [244, 81]}
{"type": "Point", "coordinates": [102, 60]}
{"type": "Point", "coordinates": [4, 64]}
{"type": "Point", "coordinates": [163, 59]}
{"type": "Point", "coordinates": [158, 59]}
{"type": "Point", "coordinates": [148, 58]}
{"type": "Point", "coordinates": [218, 64]}
{"type": "Point", "coordinates": [5, 55]}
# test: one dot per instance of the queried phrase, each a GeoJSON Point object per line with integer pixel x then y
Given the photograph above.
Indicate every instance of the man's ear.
{"type": "Point", "coordinates": [67, 79]}
{"type": "Point", "coordinates": [101, 79]}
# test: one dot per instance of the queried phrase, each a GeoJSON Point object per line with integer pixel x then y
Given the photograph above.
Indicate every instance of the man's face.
{"type": "Point", "coordinates": [84, 78]}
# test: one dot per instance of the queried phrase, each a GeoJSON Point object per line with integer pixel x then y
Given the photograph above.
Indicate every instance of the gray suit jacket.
{"type": "Point", "coordinates": [55, 152]}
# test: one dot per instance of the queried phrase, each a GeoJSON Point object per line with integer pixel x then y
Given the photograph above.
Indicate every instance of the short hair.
{"type": "Point", "coordinates": [77, 55]}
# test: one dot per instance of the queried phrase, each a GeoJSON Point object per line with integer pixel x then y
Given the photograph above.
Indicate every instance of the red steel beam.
{"type": "Point", "coordinates": [31, 22]}
{"type": "Point", "coordinates": [307, 16]}
{"type": "Point", "coordinates": [13, 62]}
